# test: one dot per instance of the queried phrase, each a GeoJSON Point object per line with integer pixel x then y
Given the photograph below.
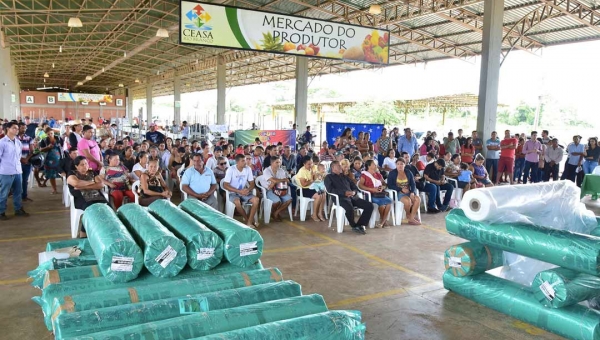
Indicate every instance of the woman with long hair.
{"type": "Point", "coordinates": [467, 151]}
{"type": "Point", "coordinates": [389, 163]}
{"type": "Point", "coordinates": [372, 181]}
{"type": "Point", "coordinates": [384, 143]}
{"type": "Point", "coordinates": [141, 166]}
{"type": "Point", "coordinates": [52, 146]}
{"type": "Point", "coordinates": [116, 177]}
{"type": "Point", "coordinates": [345, 138]}
{"type": "Point", "coordinates": [128, 158]}
{"type": "Point", "coordinates": [152, 185]}
{"type": "Point", "coordinates": [305, 177]}
{"type": "Point", "coordinates": [368, 139]}
{"type": "Point", "coordinates": [403, 182]}
{"type": "Point", "coordinates": [592, 153]}
{"type": "Point", "coordinates": [362, 143]}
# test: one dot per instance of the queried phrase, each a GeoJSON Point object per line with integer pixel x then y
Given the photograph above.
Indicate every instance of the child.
{"type": "Point", "coordinates": [318, 185]}
{"type": "Point", "coordinates": [465, 177]}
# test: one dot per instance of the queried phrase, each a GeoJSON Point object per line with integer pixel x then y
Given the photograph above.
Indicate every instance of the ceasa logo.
{"type": "Point", "coordinates": [198, 29]}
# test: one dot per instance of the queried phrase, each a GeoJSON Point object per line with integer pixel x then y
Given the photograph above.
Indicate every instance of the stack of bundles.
{"type": "Point", "coordinates": [532, 289]}
{"type": "Point", "coordinates": [164, 254]}
{"type": "Point", "coordinates": [204, 247]}
{"type": "Point", "coordinates": [119, 257]}
{"type": "Point", "coordinates": [243, 245]}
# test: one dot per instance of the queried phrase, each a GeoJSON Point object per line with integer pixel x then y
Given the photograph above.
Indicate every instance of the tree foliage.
{"type": "Point", "coordinates": [383, 112]}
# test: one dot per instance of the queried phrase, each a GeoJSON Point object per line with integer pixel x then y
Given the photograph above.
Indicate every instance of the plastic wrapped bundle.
{"type": "Point", "coordinates": [332, 325]}
{"type": "Point", "coordinates": [574, 322]}
{"type": "Point", "coordinates": [119, 257]}
{"type": "Point", "coordinates": [98, 320]}
{"type": "Point", "coordinates": [70, 274]}
{"type": "Point", "coordinates": [562, 287]}
{"type": "Point", "coordinates": [164, 254]}
{"type": "Point", "coordinates": [204, 247]}
{"type": "Point", "coordinates": [38, 275]}
{"type": "Point", "coordinates": [243, 245]}
{"type": "Point", "coordinates": [471, 258]}
{"type": "Point", "coordinates": [162, 290]}
{"type": "Point", "coordinates": [562, 248]}
{"type": "Point", "coordinates": [595, 232]}
{"type": "Point", "coordinates": [80, 243]}
{"type": "Point", "coordinates": [218, 321]}
{"type": "Point", "coordinates": [101, 283]}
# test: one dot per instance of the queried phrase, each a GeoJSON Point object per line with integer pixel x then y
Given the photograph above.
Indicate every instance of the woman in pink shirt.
{"type": "Point", "coordinates": [89, 148]}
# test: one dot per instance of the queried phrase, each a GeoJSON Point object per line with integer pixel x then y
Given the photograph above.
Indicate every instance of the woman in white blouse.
{"type": "Point", "coordinates": [141, 166]}
{"type": "Point", "coordinates": [389, 163]}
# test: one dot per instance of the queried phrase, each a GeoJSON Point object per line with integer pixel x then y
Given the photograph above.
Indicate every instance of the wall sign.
{"type": "Point", "coordinates": [232, 27]}
{"type": "Point", "coordinates": [51, 100]}
{"type": "Point", "coordinates": [119, 102]}
{"type": "Point", "coordinates": [29, 99]}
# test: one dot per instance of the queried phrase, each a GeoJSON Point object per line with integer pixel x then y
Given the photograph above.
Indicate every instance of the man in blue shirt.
{"type": "Point", "coordinates": [493, 155]}
{"type": "Point", "coordinates": [408, 143]}
{"type": "Point", "coordinates": [10, 171]}
{"type": "Point", "coordinates": [199, 182]}
{"type": "Point", "coordinates": [575, 153]}
{"type": "Point", "coordinates": [154, 136]}
{"type": "Point", "coordinates": [307, 136]}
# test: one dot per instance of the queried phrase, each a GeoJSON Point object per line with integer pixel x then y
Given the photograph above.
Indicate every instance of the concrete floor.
{"type": "Point", "coordinates": [393, 275]}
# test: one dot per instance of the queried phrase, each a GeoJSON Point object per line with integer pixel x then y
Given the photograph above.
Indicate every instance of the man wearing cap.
{"type": "Point", "coordinates": [88, 148]}
{"type": "Point", "coordinates": [154, 136]}
{"type": "Point", "coordinates": [553, 156]}
{"type": "Point", "coordinates": [31, 127]}
{"type": "Point", "coordinates": [200, 183]}
{"type": "Point", "coordinates": [576, 152]}
{"type": "Point", "coordinates": [408, 143]}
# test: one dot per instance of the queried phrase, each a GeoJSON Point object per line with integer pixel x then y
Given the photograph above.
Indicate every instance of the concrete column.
{"type": "Point", "coordinates": [301, 98]}
{"type": "Point", "coordinates": [177, 99]}
{"type": "Point", "coordinates": [9, 87]}
{"type": "Point", "coordinates": [490, 68]}
{"type": "Point", "coordinates": [148, 103]}
{"type": "Point", "coordinates": [221, 90]}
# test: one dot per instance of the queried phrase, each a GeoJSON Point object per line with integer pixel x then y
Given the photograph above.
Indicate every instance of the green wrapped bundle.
{"type": "Point", "coordinates": [204, 247]}
{"type": "Point", "coordinates": [332, 325]}
{"type": "Point", "coordinates": [97, 320]}
{"type": "Point", "coordinates": [101, 283]}
{"type": "Point", "coordinates": [563, 248]}
{"type": "Point", "coordinates": [38, 275]}
{"type": "Point", "coordinates": [243, 245]}
{"type": "Point", "coordinates": [164, 254]}
{"type": "Point", "coordinates": [595, 232]}
{"type": "Point", "coordinates": [161, 290]}
{"type": "Point", "coordinates": [560, 287]}
{"type": "Point", "coordinates": [80, 243]}
{"type": "Point", "coordinates": [574, 322]}
{"type": "Point", "coordinates": [471, 258]}
{"type": "Point", "coordinates": [218, 321]}
{"type": "Point", "coordinates": [70, 274]}
{"type": "Point", "coordinates": [119, 257]}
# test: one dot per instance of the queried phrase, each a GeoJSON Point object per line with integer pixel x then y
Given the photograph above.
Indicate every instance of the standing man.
{"type": "Point", "coordinates": [88, 147]}
{"type": "Point", "coordinates": [452, 145]}
{"type": "Point", "coordinates": [477, 142]}
{"type": "Point", "coordinates": [576, 152]}
{"type": "Point", "coordinates": [408, 143]}
{"type": "Point", "coordinates": [532, 150]}
{"type": "Point", "coordinates": [307, 136]}
{"type": "Point", "coordinates": [199, 182]}
{"type": "Point", "coordinates": [154, 136]}
{"type": "Point", "coordinates": [26, 153]}
{"type": "Point", "coordinates": [185, 130]}
{"type": "Point", "coordinates": [553, 156]}
{"type": "Point", "coordinates": [240, 183]}
{"type": "Point", "coordinates": [493, 155]}
{"type": "Point", "coordinates": [545, 139]}
{"type": "Point", "coordinates": [10, 171]}
{"type": "Point", "coordinates": [506, 165]}
{"type": "Point", "coordinates": [462, 140]}
{"type": "Point", "coordinates": [31, 127]}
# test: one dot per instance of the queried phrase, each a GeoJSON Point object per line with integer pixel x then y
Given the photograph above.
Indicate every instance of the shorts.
{"type": "Point", "coordinates": [243, 199]}
{"type": "Point", "coordinates": [462, 185]}
{"type": "Point", "coordinates": [308, 193]}
{"type": "Point", "coordinates": [381, 201]}
{"type": "Point", "coordinates": [279, 199]}
{"type": "Point", "coordinates": [506, 164]}
{"type": "Point", "coordinates": [484, 181]}
{"type": "Point", "coordinates": [401, 194]}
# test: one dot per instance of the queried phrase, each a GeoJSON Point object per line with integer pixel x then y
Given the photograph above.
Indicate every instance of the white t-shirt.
{"type": "Point", "coordinates": [238, 179]}
{"type": "Point", "coordinates": [390, 162]}
{"type": "Point", "coordinates": [137, 166]}
{"type": "Point", "coordinates": [213, 162]}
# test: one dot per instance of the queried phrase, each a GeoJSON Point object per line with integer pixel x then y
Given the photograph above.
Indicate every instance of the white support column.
{"type": "Point", "coordinates": [301, 98]}
{"type": "Point", "coordinates": [221, 90]}
{"type": "Point", "coordinates": [148, 103]}
{"type": "Point", "coordinates": [493, 13]}
{"type": "Point", "coordinates": [129, 109]}
{"type": "Point", "coordinates": [177, 99]}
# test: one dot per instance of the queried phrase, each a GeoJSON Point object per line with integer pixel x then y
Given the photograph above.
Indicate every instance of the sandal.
{"type": "Point", "coordinates": [54, 193]}
{"type": "Point", "coordinates": [316, 219]}
{"type": "Point", "coordinates": [414, 222]}
{"type": "Point", "coordinates": [322, 218]}
{"type": "Point", "coordinates": [378, 226]}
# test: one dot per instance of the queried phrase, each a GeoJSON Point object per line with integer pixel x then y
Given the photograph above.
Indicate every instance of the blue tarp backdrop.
{"type": "Point", "coordinates": [334, 130]}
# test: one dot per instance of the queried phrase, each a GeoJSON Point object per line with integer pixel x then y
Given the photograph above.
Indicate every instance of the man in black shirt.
{"type": "Point", "coordinates": [30, 127]}
{"type": "Point", "coordinates": [434, 175]}
{"type": "Point", "coordinates": [154, 136]}
{"type": "Point", "coordinates": [337, 183]}
{"type": "Point", "coordinates": [271, 152]}
{"type": "Point", "coordinates": [66, 164]}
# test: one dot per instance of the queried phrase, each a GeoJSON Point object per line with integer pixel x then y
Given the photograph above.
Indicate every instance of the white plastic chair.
{"type": "Point", "coordinates": [65, 193]}
{"type": "Point", "coordinates": [337, 212]}
{"type": "Point", "coordinates": [75, 216]}
{"type": "Point", "coordinates": [230, 207]}
{"type": "Point", "coordinates": [458, 192]}
{"type": "Point", "coordinates": [180, 171]}
{"type": "Point", "coordinates": [375, 214]}
{"type": "Point", "coordinates": [399, 211]}
{"type": "Point", "coordinates": [135, 187]}
{"type": "Point", "coordinates": [327, 165]}
{"type": "Point", "coordinates": [31, 179]}
{"type": "Point", "coordinates": [302, 203]}
{"type": "Point", "coordinates": [267, 204]}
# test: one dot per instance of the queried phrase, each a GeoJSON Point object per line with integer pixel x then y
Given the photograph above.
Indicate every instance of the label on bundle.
{"type": "Point", "coordinates": [455, 262]}
{"type": "Point", "coordinates": [249, 248]}
{"type": "Point", "coordinates": [121, 264]}
{"type": "Point", "coordinates": [548, 291]}
{"type": "Point", "coordinates": [205, 253]}
{"type": "Point", "coordinates": [166, 256]}
{"type": "Point", "coordinates": [191, 305]}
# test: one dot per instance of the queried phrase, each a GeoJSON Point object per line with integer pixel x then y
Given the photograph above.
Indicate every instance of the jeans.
{"type": "Point", "coordinates": [491, 166]}
{"type": "Point", "coordinates": [8, 182]}
{"type": "Point", "coordinates": [551, 170]}
{"type": "Point", "coordinates": [519, 165]}
{"type": "Point", "coordinates": [434, 192]}
{"type": "Point", "coordinates": [589, 166]}
{"type": "Point", "coordinates": [380, 159]}
{"type": "Point", "coordinates": [533, 167]}
{"type": "Point", "coordinates": [26, 172]}
{"type": "Point", "coordinates": [449, 188]}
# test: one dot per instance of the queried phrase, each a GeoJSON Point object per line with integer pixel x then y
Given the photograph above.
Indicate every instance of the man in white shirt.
{"type": "Point", "coordinates": [199, 182]}
{"type": "Point", "coordinates": [239, 181]}
{"type": "Point", "coordinates": [213, 161]}
{"type": "Point", "coordinates": [553, 156]}
{"type": "Point", "coordinates": [276, 181]}
{"type": "Point", "coordinates": [185, 130]}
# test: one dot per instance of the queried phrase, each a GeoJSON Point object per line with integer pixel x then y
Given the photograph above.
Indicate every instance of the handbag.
{"type": "Point", "coordinates": [280, 189]}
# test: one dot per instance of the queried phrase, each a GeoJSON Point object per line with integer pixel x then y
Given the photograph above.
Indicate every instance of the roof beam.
{"type": "Point", "coordinates": [578, 11]}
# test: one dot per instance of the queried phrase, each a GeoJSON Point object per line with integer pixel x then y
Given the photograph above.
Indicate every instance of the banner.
{"type": "Point", "coordinates": [334, 130]}
{"type": "Point", "coordinates": [231, 27]}
{"type": "Point", "coordinates": [84, 97]}
{"type": "Point", "coordinates": [267, 137]}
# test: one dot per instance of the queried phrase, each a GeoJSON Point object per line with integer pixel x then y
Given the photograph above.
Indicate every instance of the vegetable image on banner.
{"type": "Point", "coordinates": [231, 27]}
{"type": "Point", "coordinates": [267, 137]}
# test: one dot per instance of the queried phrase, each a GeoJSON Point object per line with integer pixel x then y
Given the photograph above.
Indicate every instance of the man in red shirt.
{"type": "Point", "coordinates": [506, 164]}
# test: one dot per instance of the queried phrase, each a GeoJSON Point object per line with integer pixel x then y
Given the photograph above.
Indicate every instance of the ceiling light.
{"type": "Point", "coordinates": [120, 85]}
{"type": "Point", "coordinates": [162, 33]}
{"type": "Point", "coordinates": [157, 72]}
{"type": "Point", "coordinates": [137, 80]}
{"type": "Point", "coordinates": [75, 22]}
{"type": "Point", "coordinates": [125, 54]}
{"type": "Point", "coordinates": [88, 77]}
{"type": "Point", "coordinates": [44, 80]}
{"type": "Point", "coordinates": [103, 69]}
{"type": "Point", "coordinates": [52, 65]}
{"type": "Point", "coordinates": [46, 75]}
{"type": "Point", "coordinates": [60, 49]}
{"type": "Point", "coordinates": [79, 83]}
{"type": "Point", "coordinates": [375, 9]}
